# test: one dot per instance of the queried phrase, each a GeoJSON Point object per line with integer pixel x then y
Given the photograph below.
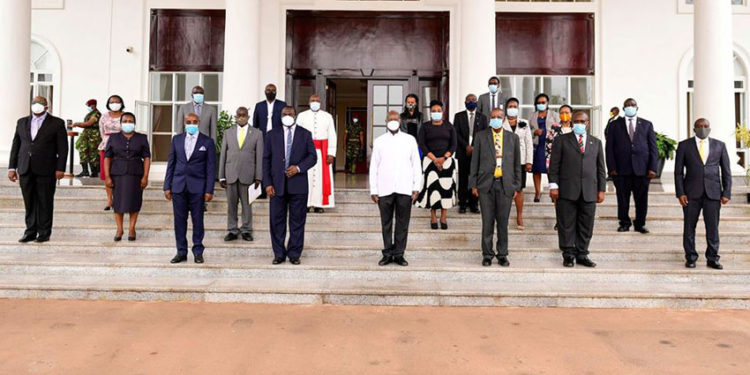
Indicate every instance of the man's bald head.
{"type": "Point", "coordinates": [192, 119]}
{"type": "Point", "coordinates": [701, 123]}
{"type": "Point", "coordinates": [581, 116]}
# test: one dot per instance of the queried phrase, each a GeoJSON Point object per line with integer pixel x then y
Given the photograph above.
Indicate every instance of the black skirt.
{"type": "Point", "coordinates": [127, 195]}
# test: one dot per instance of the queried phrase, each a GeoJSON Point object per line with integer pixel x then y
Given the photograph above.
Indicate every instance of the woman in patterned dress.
{"type": "Point", "coordinates": [109, 124]}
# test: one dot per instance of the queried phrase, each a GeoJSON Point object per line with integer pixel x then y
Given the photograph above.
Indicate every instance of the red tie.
{"type": "Point", "coordinates": [580, 143]}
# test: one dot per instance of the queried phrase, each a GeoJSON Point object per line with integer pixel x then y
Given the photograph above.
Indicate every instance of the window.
{"type": "Point", "coordinates": [739, 6]}
{"type": "Point", "coordinates": [734, 2]}
{"type": "Point", "coordinates": [44, 72]}
{"type": "Point", "coordinates": [166, 93]}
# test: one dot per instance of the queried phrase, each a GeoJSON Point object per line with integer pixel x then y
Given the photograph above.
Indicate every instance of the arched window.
{"type": "Point", "coordinates": [45, 73]}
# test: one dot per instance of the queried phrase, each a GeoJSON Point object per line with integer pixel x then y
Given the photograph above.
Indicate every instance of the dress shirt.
{"type": "Point", "coordinates": [242, 133]}
{"type": "Point", "coordinates": [36, 124]}
{"type": "Point", "coordinates": [395, 166]}
{"type": "Point", "coordinates": [190, 141]}
{"type": "Point", "coordinates": [269, 124]}
{"type": "Point", "coordinates": [705, 147]}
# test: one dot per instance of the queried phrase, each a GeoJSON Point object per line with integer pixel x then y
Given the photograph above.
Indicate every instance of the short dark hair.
{"type": "Point", "coordinates": [118, 97]}
{"type": "Point", "coordinates": [128, 114]}
{"type": "Point", "coordinates": [568, 107]}
{"type": "Point", "coordinates": [513, 99]}
{"type": "Point", "coordinates": [542, 95]}
{"type": "Point", "coordinates": [436, 102]}
{"type": "Point", "coordinates": [493, 77]}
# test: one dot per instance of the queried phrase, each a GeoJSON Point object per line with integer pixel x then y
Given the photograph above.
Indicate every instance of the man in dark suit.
{"type": "Point", "coordinates": [703, 182]}
{"type": "Point", "coordinates": [494, 98]}
{"type": "Point", "coordinates": [289, 153]}
{"type": "Point", "coordinates": [37, 157]}
{"type": "Point", "coordinates": [495, 179]}
{"type": "Point", "coordinates": [261, 118]}
{"type": "Point", "coordinates": [468, 123]}
{"type": "Point", "coordinates": [578, 181]}
{"type": "Point", "coordinates": [632, 157]}
{"type": "Point", "coordinates": [189, 183]}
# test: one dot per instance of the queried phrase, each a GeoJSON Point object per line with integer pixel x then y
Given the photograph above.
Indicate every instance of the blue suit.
{"type": "Point", "coordinates": [189, 180]}
{"type": "Point", "coordinates": [260, 115]}
{"type": "Point", "coordinates": [291, 193]}
{"type": "Point", "coordinates": [632, 160]}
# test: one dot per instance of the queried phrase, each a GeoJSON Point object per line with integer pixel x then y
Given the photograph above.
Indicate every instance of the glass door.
{"type": "Point", "coordinates": [382, 97]}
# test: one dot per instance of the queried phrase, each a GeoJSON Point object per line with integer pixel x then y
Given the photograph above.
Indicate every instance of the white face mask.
{"type": "Point", "coordinates": [315, 106]}
{"type": "Point", "coordinates": [393, 125]}
{"type": "Point", "coordinates": [287, 120]}
{"type": "Point", "coordinates": [115, 106]}
{"type": "Point", "coordinates": [37, 108]}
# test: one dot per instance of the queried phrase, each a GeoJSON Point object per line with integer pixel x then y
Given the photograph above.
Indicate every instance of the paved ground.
{"type": "Point", "coordinates": [103, 337]}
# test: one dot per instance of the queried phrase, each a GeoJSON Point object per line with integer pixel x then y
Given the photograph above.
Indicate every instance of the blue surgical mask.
{"type": "Point", "coordinates": [579, 128]}
{"type": "Point", "coordinates": [631, 111]}
{"type": "Point", "coordinates": [496, 123]}
{"type": "Point", "coordinates": [315, 106]}
{"type": "Point", "coordinates": [512, 112]}
{"type": "Point", "coordinates": [471, 105]}
{"type": "Point", "coordinates": [493, 88]}
{"type": "Point", "coordinates": [541, 107]}
{"type": "Point", "coordinates": [436, 116]}
{"type": "Point", "coordinates": [191, 128]}
{"type": "Point", "coordinates": [128, 127]}
{"type": "Point", "coordinates": [198, 98]}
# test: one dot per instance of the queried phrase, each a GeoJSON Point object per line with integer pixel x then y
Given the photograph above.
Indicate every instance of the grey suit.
{"type": "Point", "coordinates": [580, 177]}
{"type": "Point", "coordinates": [240, 167]}
{"type": "Point", "coordinates": [495, 194]}
{"type": "Point", "coordinates": [208, 119]}
{"type": "Point", "coordinates": [484, 106]}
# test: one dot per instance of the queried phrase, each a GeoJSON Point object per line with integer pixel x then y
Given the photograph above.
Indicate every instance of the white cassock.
{"type": "Point", "coordinates": [320, 124]}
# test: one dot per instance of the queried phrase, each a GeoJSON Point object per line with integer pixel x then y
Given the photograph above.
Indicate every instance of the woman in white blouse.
{"type": "Point", "coordinates": [520, 127]}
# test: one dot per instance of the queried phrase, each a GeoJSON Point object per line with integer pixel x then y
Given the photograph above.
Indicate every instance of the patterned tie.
{"type": "Point", "coordinates": [702, 150]}
{"type": "Point", "coordinates": [198, 110]}
{"type": "Point", "coordinates": [242, 136]}
{"type": "Point", "coordinates": [288, 147]}
{"type": "Point", "coordinates": [631, 130]}
{"type": "Point", "coordinates": [580, 144]}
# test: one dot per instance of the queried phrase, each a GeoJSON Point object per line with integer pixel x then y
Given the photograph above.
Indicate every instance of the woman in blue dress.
{"type": "Point", "coordinates": [542, 121]}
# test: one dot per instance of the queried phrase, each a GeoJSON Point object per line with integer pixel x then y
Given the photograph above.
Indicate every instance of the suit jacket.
{"type": "Point", "coordinates": [632, 158]}
{"type": "Point", "coordinates": [303, 155]}
{"type": "Point", "coordinates": [523, 131]}
{"type": "Point", "coordinates": [576, 173]}
{"type": "Point", "coordinates": [693, 178]}
{"type": "Point", "coordinates": [208, 119]}
{"type": "Point", "coordinates": [260, 115]}
{"type": "Point", "coordinates": [483, 104]}
{"type": "Point", "coordinates": [483, 162]}
{"type": "Point", "coordinates": [243, 164]}
{"type": "Point", "coordinates": [44, 155]}
{"type": "Point", "coordinates": [552, 118]}
{"type": "Point", "coordinates": [196, 175]}
{"type": "Point", "coordinates": [461, 123]}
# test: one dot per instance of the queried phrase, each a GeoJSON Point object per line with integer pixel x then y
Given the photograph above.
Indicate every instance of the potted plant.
{"type": "Point", "coordinates": [224, 122]}
{"type": "Point", "coordinates": [666, 147]}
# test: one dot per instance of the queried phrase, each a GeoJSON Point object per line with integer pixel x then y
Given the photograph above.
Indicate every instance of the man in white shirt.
{"type": "Point", "coordinates": [395, 181]}
{"type": "Point", "coordinates": [320, 124]}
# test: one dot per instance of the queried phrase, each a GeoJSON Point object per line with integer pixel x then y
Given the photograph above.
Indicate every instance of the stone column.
{"type": "Point", "coordinates": [15, 47]}
{"type": "Point", "coordinates": [714, 71]}
{"type": "Point", "coordinates": [477, 49]}
{"type": "Point", "coordinates": [241, 54]}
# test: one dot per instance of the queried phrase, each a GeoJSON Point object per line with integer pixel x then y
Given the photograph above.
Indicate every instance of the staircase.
{"type": "Point", "coordinates": [342, 248]}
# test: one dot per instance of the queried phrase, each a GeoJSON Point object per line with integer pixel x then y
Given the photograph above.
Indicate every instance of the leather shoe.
{"type": "Point", "coordinates": [386, 260]}
{"type": "Point", "coordinates": [199, 258]}
{"type": "Point", "coordinates": [278, 260]}
{"type": "Point", "coordinates": [27, 238]}
{"type": "Point", "coordinates": [503, 261]}
{"type": "Point", "coordinates": [230, 237]}
{"type": "Point", "coordinates": [474, 210]}
{"type": "Point", "coordinates": [247, 236]}
{"type": "Point", "coordinates": [400, 261]}
{"type": "Point", "coordinates": [586, 262]}
{"type": "Point", "coordinates": [178, 259]}
{"type": "Point", "coordinates": [42, 239]}
{"type": "Point", "coordinates": [294, 261]}
{"type": "Point", "coordinates": [319, 210]}
{"type": "Point", "coordinates": [486, 262]}
{"type": "Point", "coordinates": [689, 264]}
{"type": "Point", "coordinates": [623, 228]}
{"type": "Point", "coordinates": [715, 265]}
{"type": "Point", "coordinates": [642, 230]}
{"type": "Point", "coordinates": [462, 210]}
{"type": "Point", "coordinates": [568, 262]}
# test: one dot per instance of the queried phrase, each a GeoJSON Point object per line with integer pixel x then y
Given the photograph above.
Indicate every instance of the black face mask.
{"type": "Point", "coordinates": [270, 96]}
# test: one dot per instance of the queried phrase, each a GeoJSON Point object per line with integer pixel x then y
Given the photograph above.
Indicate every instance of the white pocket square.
{"type": "Point", "coordinates": [203, 148]}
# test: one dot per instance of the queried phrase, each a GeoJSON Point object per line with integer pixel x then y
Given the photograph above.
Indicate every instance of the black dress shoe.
{"type": "Point", "coordinates": [27, 238]}
{"type": "Point", "coordinates": [487, 262]}
{"type": "Point", "coordinates": [444, 226]}
{"type": "Point", "coordinates": [555, 227]}
{"type": "Point", "coordinates": [462, 210]}
{"type": "Point", "coordinates": [319, 210]}
{"type": "Point", "coordinates": [178, 259]}
{"type": "Point", "coordinates": [199, 258]}
{"type": "Point", "coordinates": [386, 260]}
{"type": "Point", "coordinates": [230, 237]}
{"type": "Point", "coordinates": [586, 262]}
{"type": "Point", "coordinates": [42, 239]}
{"type": "Point", "coordinates": [503, 261]}
{"type": "Point", "coordinates": [433, 226]}
{"type": "Point", "coordinates": [623, 228]}
{"type": "Point", "coordinates": [247, 236]}
{"type": "Point", "coordinates": [474, 210]}
{"type": "Point", "coordinates": [642, 230]}
{"type": "Point", "coordinates": [400, 261]}
{"type": "Point", "coordinates": [107, 208]}
{"type": "Point", "coordinates": [715, 265]}
{"type": "Point", "coordinates": [689, 264]}
{"type": "Point", "coordinates": [294, 261]}
{"type": "Point", "coordinates": [278, 260]}
{"type": "Point", "coordinates": [568, 262]}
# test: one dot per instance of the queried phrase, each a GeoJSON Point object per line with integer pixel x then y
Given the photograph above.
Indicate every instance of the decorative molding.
{"type": "Point", "coordinates": [47, 4]}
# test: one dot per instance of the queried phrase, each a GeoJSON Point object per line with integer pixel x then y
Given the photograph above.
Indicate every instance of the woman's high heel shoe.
{"type": "Point", "coordinates": [444, 226]}
{"type": "Point", "coordinates": [433, 226]}
{"type": "Point", "coordinates": [118, 238]}
{"type": "Point", "coordinates": [131, 238]}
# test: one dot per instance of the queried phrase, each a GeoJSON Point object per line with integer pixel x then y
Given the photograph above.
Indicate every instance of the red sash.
{"type": "Point", "coordinates": [322, 145]}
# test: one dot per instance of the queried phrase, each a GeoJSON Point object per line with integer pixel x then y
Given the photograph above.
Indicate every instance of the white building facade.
{"type": "Point", "coordinates": [680, 60]}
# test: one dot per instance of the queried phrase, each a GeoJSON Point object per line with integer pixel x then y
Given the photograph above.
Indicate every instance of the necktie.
{"type": "Point", "coordinates": [631, 130]}
{"type": "Point", "coordinates": [288, 147]}
{"type": "Point", "coordinates": [580, 143]}
{"type": "Point", "coordinates": [471, 124]}
{"type": "Point", "coordinates": [189, 146]}
{"type": "Point", "coordinates": [242, 136]}
{"type": "Point", "coordinates": [198, 109]}
{"type": "Point", "coordinates": [702, 150]}
{"type": "Point", "coordinates": [492, 105]}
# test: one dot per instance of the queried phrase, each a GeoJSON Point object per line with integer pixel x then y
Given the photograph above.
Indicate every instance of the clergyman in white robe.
{"type": "Point", "coordinates": [320, 124]}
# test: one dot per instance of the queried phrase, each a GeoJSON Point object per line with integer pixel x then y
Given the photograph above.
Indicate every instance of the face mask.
{"type": "Point", "coordinates": [436, 116]}
{"type": "Point", "coordinates": [410, 106]}
{"type": "Point", "coordinates": [191, 128]}
{"type": "Point", "coordinates": [630, 111]}
{"type": "Point", "coordinates": [611, 114]}
{"type": "Point", "coordinates": [198, 98]}
{"type": "Point", "coordinates": [315, 106]}
{"type": "Point", "coordinates": [541, 107]}
{"type": "Point", "coordinates": [471, 105]}
{"type": "Point", "coordinates": [512, 112]}
{"type": "Point", "coordinates": [393, 125]}
{"type": "Point", "coordinates": [355, 120]}
{"type": "Point", "coordinates": [128, 127]}
{"type": "Point", "coordinates": [271, 96]}
{"type": "Point", "coordinates": [702, 133]}
{"type": "Point", "coordinates": [496, 123]}
{"type": "Point", "coordinates": [493, 88]}
{"type": "Point", "coordinates": [90, 109]}
{"type": "Point", "coordinates": [565, 117]}
{"type": "Point", "coordinates": [287, 121]}
{"type": "Point", "coordinates": [566, 130]}
{"type": "Point", "coordinates": [579, 128]}
{"type": "Point", "coordinates": [115, 106]}
{"type": "Point", "coordinates": [37, 108]}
